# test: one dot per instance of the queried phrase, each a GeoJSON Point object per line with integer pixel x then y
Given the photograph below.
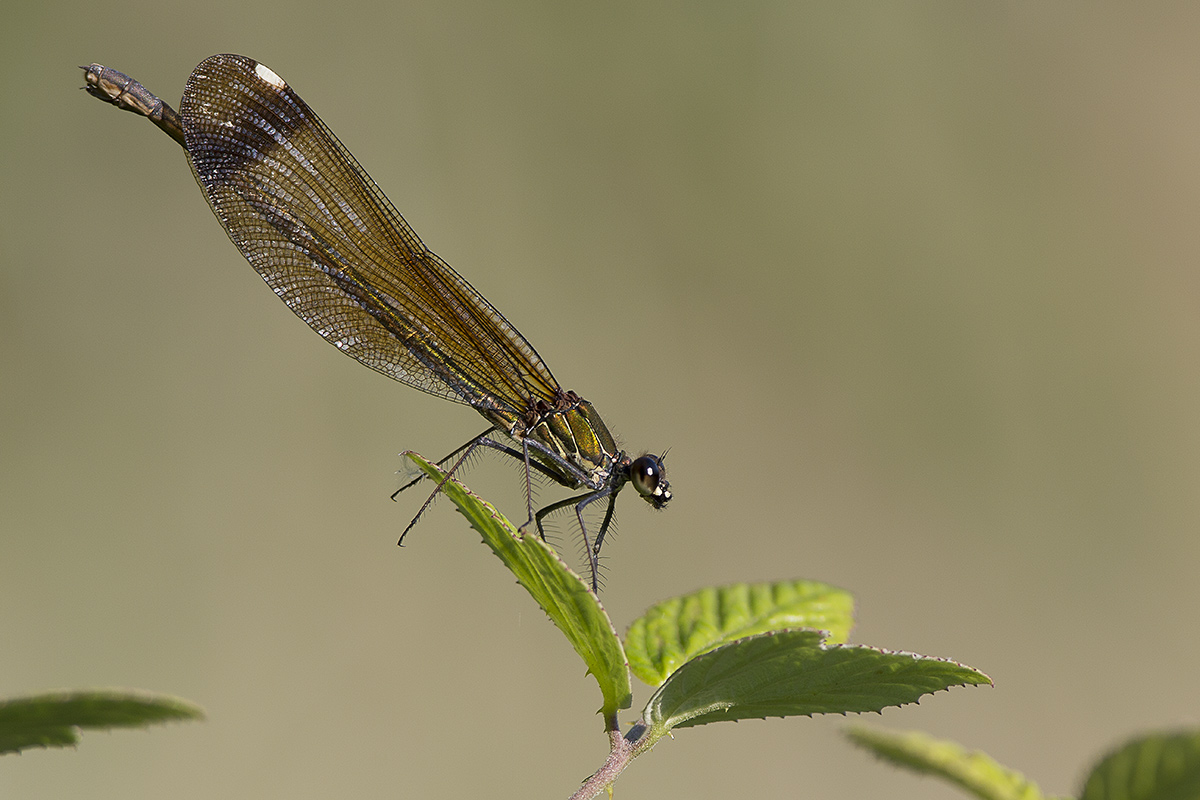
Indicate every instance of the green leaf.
{"type": "Point", "coordinates": [52, 719]}
{"type": "Point", "coordinates": [785, 673]}
{"type": "Point", "coordinates": [1163, 766]}
{"type": "Point", "coordinates": [681, 628]}
{"type": "Point", "coordinates": [555, 587]}
{"type": "Point", "coordinates": [976, 772]}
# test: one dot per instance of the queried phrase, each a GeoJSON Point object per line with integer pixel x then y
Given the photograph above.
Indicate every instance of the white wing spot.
{"type": "Point", "coordinates": [268, 75]}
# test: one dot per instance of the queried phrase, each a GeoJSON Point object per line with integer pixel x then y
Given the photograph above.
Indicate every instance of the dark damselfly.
{"type": "Point", "coordinates": [324, 237]}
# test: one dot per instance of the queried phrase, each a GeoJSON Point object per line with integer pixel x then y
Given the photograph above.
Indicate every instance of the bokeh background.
{"type": "Point", "coordinates": [910, 290]}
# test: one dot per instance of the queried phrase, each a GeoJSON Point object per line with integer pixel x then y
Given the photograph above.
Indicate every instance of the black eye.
{"type": "Point", "coordinates": [646, 473]}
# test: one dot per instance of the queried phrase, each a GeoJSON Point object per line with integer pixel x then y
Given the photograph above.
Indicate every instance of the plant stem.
{"type": "Point", "coordinates": [625, 749]}
{"type": "Point", "coordinates": [619, 758]}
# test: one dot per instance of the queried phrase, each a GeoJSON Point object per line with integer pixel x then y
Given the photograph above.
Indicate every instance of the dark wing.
{"type": "Point", "coordinates": [319, 231]}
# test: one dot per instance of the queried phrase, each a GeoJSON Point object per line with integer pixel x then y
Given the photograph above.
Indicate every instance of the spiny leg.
{"type": "Point", "coordinates": [568, 473]}
{"type": "Point", "coordinates": [528, 486]}
{"type": "Point", "coordinates": [550, 509]}
{"type": "Point", "coordinates": [593, 561]}
{"type": "Point", "coordinates": [580, 502]}
{"type": "Point", "coordinates": [593, 552]}
{"type": "Point", "coordinates": [608, 518]}
{"type": "Point", "coordinates": [442, 461]}
{"type": "Point", "coordinates": [466, 449]}
{"type": "Point", "coordinates": [516, 454]}
{"type": "Point", "coordinates": [522, 455]}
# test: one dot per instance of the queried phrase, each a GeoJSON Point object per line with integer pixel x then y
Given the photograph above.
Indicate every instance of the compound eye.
{"type": "Point", "coordinates": [646, 473]}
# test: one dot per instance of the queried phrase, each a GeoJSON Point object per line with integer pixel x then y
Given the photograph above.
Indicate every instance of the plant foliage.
{"type": "Point", "coordinates": [54, 719]}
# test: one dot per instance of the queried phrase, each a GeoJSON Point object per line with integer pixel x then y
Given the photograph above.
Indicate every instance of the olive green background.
{"type": "Point", "coordinates": [911, 292]}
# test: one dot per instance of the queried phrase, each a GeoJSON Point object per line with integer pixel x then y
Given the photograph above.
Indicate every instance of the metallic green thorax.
{"type": "Point", "coordinates": [572, 430]}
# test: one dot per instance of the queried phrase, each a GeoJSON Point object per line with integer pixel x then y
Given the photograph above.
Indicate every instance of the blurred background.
{"type": "Point", "coordinates": [910, 291]}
